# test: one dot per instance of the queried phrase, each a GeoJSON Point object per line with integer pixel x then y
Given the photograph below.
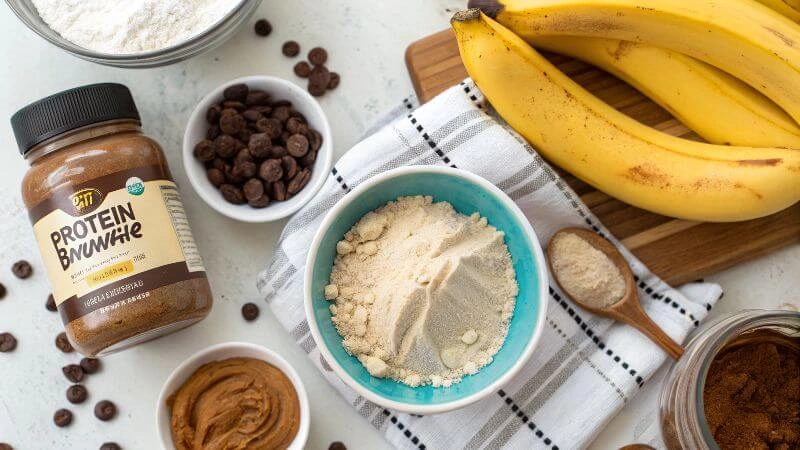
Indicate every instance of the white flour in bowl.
{"type": "Point", "coordinates": [422, 293]}
{"type": "Point", "coordinates": [131, 26]}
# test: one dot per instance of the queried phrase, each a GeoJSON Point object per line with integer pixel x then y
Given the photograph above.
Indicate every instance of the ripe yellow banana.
{"type": "Point", "coordinates": [613, 152]}
{"type": "Point", "coordinates": [741, 37]}
{"type": "Point", "coordinates": [717, 106]}
{"type": "Point", "coordinates": [788, 8]}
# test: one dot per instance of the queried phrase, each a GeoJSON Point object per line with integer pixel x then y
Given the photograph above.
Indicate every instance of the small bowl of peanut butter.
{"type": "Point", "coordinates": [233, 394]}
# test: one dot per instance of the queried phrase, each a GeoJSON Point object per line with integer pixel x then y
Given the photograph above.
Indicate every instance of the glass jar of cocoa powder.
{"type": "Point", "coordinates": [701, 404]}
{"type": "Point", "coordinates": [109, 221]}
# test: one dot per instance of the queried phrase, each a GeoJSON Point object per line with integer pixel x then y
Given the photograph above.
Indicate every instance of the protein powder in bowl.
{"type": "Point", "coordinates": [109, 221]}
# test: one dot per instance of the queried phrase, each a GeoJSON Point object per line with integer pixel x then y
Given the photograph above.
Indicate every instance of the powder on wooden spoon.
{"type": "Point", "coordinates": [584, 272]}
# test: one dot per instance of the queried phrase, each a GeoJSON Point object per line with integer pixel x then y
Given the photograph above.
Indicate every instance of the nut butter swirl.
{"type": "Point", "coordinates": [234, 404]}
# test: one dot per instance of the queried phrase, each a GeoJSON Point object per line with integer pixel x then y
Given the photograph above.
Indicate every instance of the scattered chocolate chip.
{"type": "Point", "coordinates": [51, 303]}
{"type": "Point", "coordinates": [77, 393]}
{"type": "Point", "coordinates": [257, 97]}
{"type": "Point", "coordinates": [90, 365]}
{"type": "Point", "coordinates": [279, 191]}
{"type": "Point", "coordinates": [62, 343]}
{"type": "Point", "coordinates": [4, 446]}
{"type": "Point", "coordinates": [73, 372]}
{"type": "Point", "coordinates": [2, 291]}
{"type": "Point", "coordinates": [253, 189]}
{"type": "Point", "coordinates": [302, 69]}
{"type": "Point", "coordinates": [270, 170]}
{"type": "Point", "coordinates": [335, 80]}
{"type": "Point", "coordinates": [236, 92]}
{"type": "Point", "coordinates": [337, 446]}
{"type": "Point", "coordinates": [110, 446]}
{"type": "Point", "coordinates": [291, 49]}
{"type": "Point", "coordinates": [317, 56]}
{"type": "Point", "coordinates": [105, 410]}
{"type": "Point", "coordinates": [232, 194]}
{"type": "Point", "coordinates": [7, 342]}
{"type": "Point", "coordinates": [62, 418]}
{"type": "Point", "coordinates": [316, 89]}
{"type": "Point", "coordinates": [298, 182]}
{"type": "Point", "coordinates": [22, 269]}
{"type": "Point", "coordinates": [215, 176]}
{"type": "Point", "coordinates": [263, 27]}
{"type": "Point", "coordinates": [204, 150]}
{"type": "Point", "coordinates": [250, 312]}
{"type": "Point", "coordinates": [290, 167]}
{"type": "Point", "coordinates": [297, 145]}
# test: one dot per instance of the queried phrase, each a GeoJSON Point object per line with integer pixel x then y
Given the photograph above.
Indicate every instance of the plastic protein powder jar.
{"type": "Point", "coordinates": [112, 232]}
{"type": "Point", "coordinates": [131, 26]}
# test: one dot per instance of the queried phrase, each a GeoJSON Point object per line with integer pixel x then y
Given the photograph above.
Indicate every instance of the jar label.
{"type": "Point", "coordinates": [107, 243]}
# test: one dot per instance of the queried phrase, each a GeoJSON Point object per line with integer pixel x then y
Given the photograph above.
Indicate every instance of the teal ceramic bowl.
{"type": "Point", "coordinates": [468, 193]}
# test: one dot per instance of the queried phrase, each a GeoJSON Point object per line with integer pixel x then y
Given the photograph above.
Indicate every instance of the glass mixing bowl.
{"type": "Point", "coordinates": [214, 36]}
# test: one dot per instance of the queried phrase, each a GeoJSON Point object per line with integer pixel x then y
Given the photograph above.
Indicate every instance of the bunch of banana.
{"type": "Point", "coordinates": [788, 8]}
{"type": "Point", "coordinates": [612, 151]}
{"type": "Point", "coordinates": [741, 37]}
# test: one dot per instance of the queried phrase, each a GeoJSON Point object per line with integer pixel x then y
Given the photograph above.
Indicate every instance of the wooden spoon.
{"type": "Point", "coordinates": [628, 309]}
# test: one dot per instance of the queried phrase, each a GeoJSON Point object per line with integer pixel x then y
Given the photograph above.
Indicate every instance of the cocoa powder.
{"type": "Point", "coordinates": [752, 393]}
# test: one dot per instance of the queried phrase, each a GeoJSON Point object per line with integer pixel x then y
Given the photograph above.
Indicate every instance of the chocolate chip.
{"type": "Point", "coordinates": [282, 113]}
{"type": "Point", "coordinates": [234, 105]}
{"type": "Point", "coordinates": [260, 202]}
{"type": "Point", "coordinates": [215, 176]}
{"type": "Point", "coordinates": [62, 418]}
{"type": "Point", "coordinates": [257, 97]}
{"type": "Point", "coordinates": [51, 303]}
{"type": "Point", "coordinates": [298, 182]}
{"type": "Point", "coordinates": [232, 194]}
{"type": "Point", "coordinates": [4, 446]}
{"type": "Point", "coordinates": [110, 446]}
{"type": "Point", "coordinates": [290, 167]}
{"type": "Point", "coordinates": [308, 159]}
{"type": "Point", "coordinates": [270, 126]}
{"type": "Point", "coordinates": [315, 140]}
{"type": "Point", "coordinates": [237, 92]}
{"type": "Point", "coordinates": [105, 410]}
{"type": "Point", "coordinates": [279, 191]}
{"type": "Point", "coordinates": [62, 343]}
{"type": "Point", "coordinates": [253, 189]}
{"type": "Point", "coordinates": [22, 269]}
{"type": "Point", "coordinates": [318, 81]}
{"type": "Point", "coordinates": [73, 372]}
{"type": "Point", "coordinates": [250, 312]}
{"type": "Point", "coordinates": [302, 69]}
{"type": "Point", "coordinates": [225, 146]}
{"type": "Point", "coordinates": [245, 169]}
{"type": "Point", "coordinates": [296, 125]}
{"type": "Point", "coordinates": [77, 393]}
{"type": "Point", "coordinates": [317, 56]}
{"type": "Point", "coordinates": [90, 365]}
{"type": "Point", "coordinates": [291, 49]}
{"type": "Point", "coordinates": [2, 291]}
{"type": "Point", "coordinates": [7, 342]}
{"type": "Point", "coordinates": [263, 27]}
{"type": "Point", "coordinates": [317, 89]}
{"type": "Point", "coordinates": [259, 145]}
{"type": "Point", "coordinates": [297, 145]}
{"type": "Point", "coordinates": [337, 446]}
{"type": "Point", "coordinates": [231, 122]}
{"type": "Point", "coordinates": [278, 152]}
{"type": "Point", "coordinates": [335, 80]}
{"type": "Point", "coordinates": [270, 170]}
{"type": "Point", "coordinates": [213, 113]}
{"type": "Point", "coordinates": [251, 115]}
{"type": "Point", "coordinates": [204, 150]}
{"type": "Point", "coordinates": [213, 132]}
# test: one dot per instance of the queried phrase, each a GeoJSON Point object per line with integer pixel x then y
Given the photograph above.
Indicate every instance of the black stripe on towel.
{"type": "Point", "coordinates": [431, 143]}
{"type": "Point", "coordinates": [339, 179]}
{"type": "Point", "coordinates": [526, 420]}
{"type": "Point", "coordinates": [406, 431]}
{"type": "Point", "coordinates": [595, 338]}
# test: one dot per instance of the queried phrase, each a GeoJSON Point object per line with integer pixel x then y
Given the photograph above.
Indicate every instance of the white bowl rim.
{"type": "Point", "coordinates": [244, 212]}
{"type": "Point", "coordinates": [541, 274]}
{"type": "Point", "coordinates": [231, 348]}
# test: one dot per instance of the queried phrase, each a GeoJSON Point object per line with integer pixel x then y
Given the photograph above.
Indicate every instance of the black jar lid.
{"type": "Point", "coordinates": [71, 109]}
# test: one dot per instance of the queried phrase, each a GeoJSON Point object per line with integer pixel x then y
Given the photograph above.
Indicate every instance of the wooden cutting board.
{"type": "Point", "coordinates": [677, 250]}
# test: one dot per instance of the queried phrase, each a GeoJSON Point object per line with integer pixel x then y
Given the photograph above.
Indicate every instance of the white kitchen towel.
{"type": "Point", "coordinates": [584, 369]}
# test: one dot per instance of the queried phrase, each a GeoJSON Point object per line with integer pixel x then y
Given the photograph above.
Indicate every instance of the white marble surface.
{"type": "Point", "coordinates": [366, 40]}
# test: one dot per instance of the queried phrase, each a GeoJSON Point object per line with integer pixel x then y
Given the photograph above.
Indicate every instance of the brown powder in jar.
{"type": "Point", "coordinates": [752, 393]}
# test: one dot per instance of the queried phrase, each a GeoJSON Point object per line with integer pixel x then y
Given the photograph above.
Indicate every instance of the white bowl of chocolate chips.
{"type": "Point", "coordinates": [257, 148]}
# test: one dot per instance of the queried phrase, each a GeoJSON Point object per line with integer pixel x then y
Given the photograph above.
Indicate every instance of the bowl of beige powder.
{"type": "Point", "coordinates": [425, 289]}
{"type": "Point", "coordinates": [135, 33]}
